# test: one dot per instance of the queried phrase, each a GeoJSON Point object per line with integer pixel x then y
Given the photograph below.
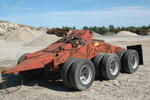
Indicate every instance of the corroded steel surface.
{"type": "Point", "coordinates": [78, 44]}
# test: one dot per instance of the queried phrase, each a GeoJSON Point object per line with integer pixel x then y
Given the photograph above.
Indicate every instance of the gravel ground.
{"type": "Point", "coordinates": [126, 87]}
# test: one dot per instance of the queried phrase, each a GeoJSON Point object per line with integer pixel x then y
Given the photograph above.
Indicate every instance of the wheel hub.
{"type": "Point", "coordinates": [114, 67]}
{"type": "Point", "coordinates": [85, 75]}
{"type": "Point", "coordinates": [134, 62]}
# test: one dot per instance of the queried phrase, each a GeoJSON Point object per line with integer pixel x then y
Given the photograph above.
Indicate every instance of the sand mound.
{"type": "Point", "coordinates": [43, 29]}
{"type": "Point", "coordinates": [43, 40]}
{"type": "Point", "coordinates": [47, 39]}
{"type": "Point", "coordinates": [96, 34]}
{"type": "Point", "coordinates": [108, 33]}
{"type": "Point", "coordinates": [1, 40]}
{"type": "Point", "coordinates": [23, 35]}
{"type": "Point", "coordinates": [126, 33]}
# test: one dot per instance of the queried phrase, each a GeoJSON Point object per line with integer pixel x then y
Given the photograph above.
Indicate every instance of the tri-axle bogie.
{"type": "Point", "coordinates": [79, 58]}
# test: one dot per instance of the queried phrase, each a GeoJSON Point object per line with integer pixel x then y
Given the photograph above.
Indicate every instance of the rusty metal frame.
{"type": "Point", "coordinates": [60, 51]}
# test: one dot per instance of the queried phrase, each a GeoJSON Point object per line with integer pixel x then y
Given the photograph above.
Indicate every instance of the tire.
{"type": "Point", "coordinates": [97, 62]}
{"type": "Point", "coordinates": [130, 61]}
{"type": "Point", "coordinates": [64, 71]}
{"type": "Point", "coordinates": [82, 74]}
{"type": "Point", "coordinates": [30, 74]}
{"type": "Point", "coordinates": [121, 54]}
{"type": "Point", "coordinates": [110, 66]}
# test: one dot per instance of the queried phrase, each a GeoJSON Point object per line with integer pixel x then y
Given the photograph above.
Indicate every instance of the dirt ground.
{"type": "Point", "coordinates": [126, 87]}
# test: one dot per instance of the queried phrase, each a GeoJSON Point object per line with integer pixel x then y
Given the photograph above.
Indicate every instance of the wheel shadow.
{"type": "Point", "coordinates": [14, 81]}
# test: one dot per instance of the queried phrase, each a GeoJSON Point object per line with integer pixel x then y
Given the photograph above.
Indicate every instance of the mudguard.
{"type": "Point", "coordinates": [139, 49]}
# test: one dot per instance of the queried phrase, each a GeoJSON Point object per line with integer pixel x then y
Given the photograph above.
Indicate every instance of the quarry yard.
{"type": "Point", "coordinates": [16, 40]}
{"type": "Point", "coordinates": [126, 87]}
{"type": "Point", "coordinates": [74, 50]}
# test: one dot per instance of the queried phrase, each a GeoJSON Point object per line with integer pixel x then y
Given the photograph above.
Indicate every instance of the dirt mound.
{"type": "Point", "coordinates": [126, 33]}
{"type": "Point", "coordinates": [43, 40]}
{"type": "Point", "coordinates": [23, 35]}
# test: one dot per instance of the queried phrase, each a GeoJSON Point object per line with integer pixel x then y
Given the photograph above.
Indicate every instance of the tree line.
{"type": "Point", "coordinates": [143, 30]}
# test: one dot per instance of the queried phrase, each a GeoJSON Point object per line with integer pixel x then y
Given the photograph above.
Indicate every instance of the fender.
{"type": "Point", "coordinates": [139, 49]}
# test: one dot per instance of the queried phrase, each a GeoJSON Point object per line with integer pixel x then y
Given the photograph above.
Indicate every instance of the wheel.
{"type": "Point", "coordinates": [30, 74]}
{"type": "Point", "coordinates": [130, 61]}
{"type": "Point", "coordinates": [82, 74]}
{"type": "Point", "coordinates": [64, 71]}
{"type": "Point", "coordinates": [121, 54]}
{"type": "Point", "coordinates": [97, 62]}
{"type": "Point", "coordinates": [110, 66]}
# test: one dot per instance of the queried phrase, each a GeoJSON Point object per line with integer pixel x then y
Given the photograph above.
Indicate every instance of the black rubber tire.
{"type": "Point", "coordinates": [106, 64]}
{"type": "Point", "coordinates": [30, 74]}
{"type": "Point", "coordinates": [74, 74]}
{"type": "Point", "coordinates": [97, 62]}
{"type": "Point", "coordinates": [127, 64]}
{"type": "Point", "coordinates": [64, 71]}
{"type": "Point", "coordinates": [121, 53]}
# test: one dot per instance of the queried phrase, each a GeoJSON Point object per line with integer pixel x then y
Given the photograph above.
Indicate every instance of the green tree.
{"type": "Point", "coordinates": [111, 28]}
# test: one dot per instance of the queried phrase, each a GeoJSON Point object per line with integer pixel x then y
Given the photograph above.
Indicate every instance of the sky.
{"type": "Point", "coordinates": [78, 13]}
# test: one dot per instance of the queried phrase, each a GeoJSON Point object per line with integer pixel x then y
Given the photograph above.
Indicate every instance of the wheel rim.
{"type": "Point", "coordinates": [85, 75]}
{"type": "Point", "coordinates": [114, 67]}
{"type": "Point", "coordinates": [134, 61]}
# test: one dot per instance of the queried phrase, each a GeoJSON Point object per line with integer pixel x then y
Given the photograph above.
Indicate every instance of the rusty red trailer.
{"type": "Point", "coordinates": [79, 58]}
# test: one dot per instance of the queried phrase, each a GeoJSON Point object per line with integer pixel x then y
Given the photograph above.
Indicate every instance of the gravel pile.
{"type": "Point", "coordinates": [108, 34]}
{"type": "Point", "coordinates": [43, 40]}
{"type": "Point", "coordinates": [126, 33]}
{"type": "Point", "coordinates": [6, 28]}
{"type": "Point", "coordinates": [96, 35]}
{"type": "Point", "coordinates": [43, 29]}
{"type": "Point", "coordinates": [24, 34]}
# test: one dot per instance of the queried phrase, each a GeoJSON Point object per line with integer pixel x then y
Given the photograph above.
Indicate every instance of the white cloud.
{"type": "Point", "coordinates": [126, 15]}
